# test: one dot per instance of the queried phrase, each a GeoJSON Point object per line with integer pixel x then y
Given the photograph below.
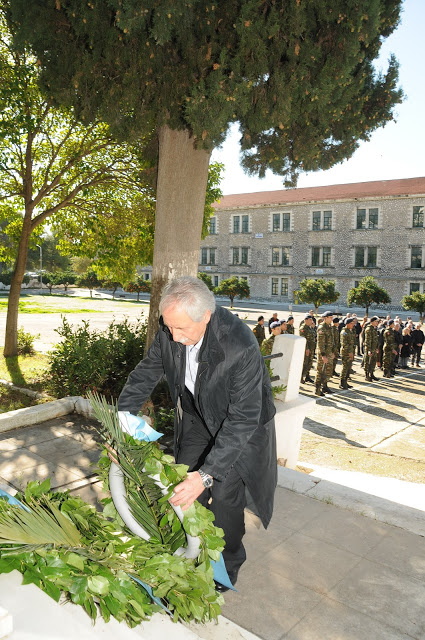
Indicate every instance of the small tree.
{"type": "Point", "coordinates": [317, 292]}
{"type": "Point", "coordinates": [206, 279]}
{"type": "Point", "coordinates": [140, 285]}
{"type": "Point", "coordinates": [233, 288]}
{"type": "Point", "coordinates": [366, 293]}
{"type": "Point", "coordinates": [89, 280]}
{"type": "Point", "coordinates": [415, 302]}
{"type": "Point", "coordinates": [111, 284]}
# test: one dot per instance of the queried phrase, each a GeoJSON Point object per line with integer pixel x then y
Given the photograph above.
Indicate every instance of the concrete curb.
{"type": "Point", "coordinates": [365, 504]}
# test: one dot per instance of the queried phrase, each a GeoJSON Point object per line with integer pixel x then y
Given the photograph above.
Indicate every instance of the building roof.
{"type": "Point", "coordinates": [357, 190]}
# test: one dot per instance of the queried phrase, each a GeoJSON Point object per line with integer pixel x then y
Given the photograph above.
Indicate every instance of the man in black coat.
{"type": "Point", "coordinates": [224, 426]}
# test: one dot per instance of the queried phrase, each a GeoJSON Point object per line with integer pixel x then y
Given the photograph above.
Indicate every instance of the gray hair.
{"type": "Point", "coordinates": [188, 294]}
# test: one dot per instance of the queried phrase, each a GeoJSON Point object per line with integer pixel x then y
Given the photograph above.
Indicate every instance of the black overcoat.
{"type": "Point", "coordinates": [234, 397]}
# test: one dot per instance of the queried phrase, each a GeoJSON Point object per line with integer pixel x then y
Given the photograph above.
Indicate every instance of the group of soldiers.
{"type": "Point", "coordinates": [332, 337]}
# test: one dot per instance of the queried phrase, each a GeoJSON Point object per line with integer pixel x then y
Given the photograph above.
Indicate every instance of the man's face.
{"type": "Point", "coordinates": [261, 321]}
{"type": "Point", "coordinates": [277, 331]}
{"type": "Point", "coordinates": [183, 328]}
{"type": "Point", "coordinates": [308, 321]}
{"type": "Point", "coordinates": [375, 323]}
{"type": "Point", "coordinates": [283, 327]}
{"type": "Point", "coordinates": [328, 320]}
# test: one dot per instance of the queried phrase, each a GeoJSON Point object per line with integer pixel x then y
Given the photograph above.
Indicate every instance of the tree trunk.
{"type": "Point", "coordinates": [180, 203]}
{"type": "Point", "coordinates": [11, 335]}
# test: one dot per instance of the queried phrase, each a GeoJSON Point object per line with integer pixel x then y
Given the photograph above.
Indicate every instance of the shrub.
{"type": "Point", "coordinates": [87, 359]}
{"type": "Point", "coordinates": [26, 343]}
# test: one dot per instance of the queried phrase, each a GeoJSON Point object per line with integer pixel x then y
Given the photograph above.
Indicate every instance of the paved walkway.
{"type": "Point", "coordinates": [320, 572]}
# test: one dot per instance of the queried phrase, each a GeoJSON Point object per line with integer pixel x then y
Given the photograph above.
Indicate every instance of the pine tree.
{"type": "Point", "coordinates": [297, 76]}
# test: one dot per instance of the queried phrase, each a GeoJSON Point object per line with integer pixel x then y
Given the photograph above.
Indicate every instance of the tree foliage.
{"type": "Point", "coordinates": [232, 288]}
{"type": "Point", "coordinates": [206, 279]}
{"type": "Point", "coordinates": [317, 292]}
{"type": "Point", "coordinates": [89, 280]}
{"type": "Point", "coordinates": [366, 293]}
{"type": "Point", "coordinates": [298, 77]}
{"type": "Point", "coordinates": [139, 285]}
{"type": "Point", "coordinates": [50, 166]}
{"type": "Point", "coordinates": [415, 302]}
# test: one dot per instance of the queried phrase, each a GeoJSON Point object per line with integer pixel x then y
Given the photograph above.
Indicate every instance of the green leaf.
{"type": "Point", "coordinates": [74, 560]}
{"type": "Point", "coordinates": [98, 585]}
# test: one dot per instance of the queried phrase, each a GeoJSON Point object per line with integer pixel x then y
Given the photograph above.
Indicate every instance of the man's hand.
{"type": "Point", "coordinates": [307, 352]}
{"type": "Point", "coordinates": [187, 491]}
{"type": "Point", "coordinates": [112, 454]}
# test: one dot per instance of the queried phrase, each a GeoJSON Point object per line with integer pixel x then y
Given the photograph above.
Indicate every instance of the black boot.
{"type": "Point", "coordinates": [308, 379]}
{"type": "Point", "coordinates": [326, 388]}
{"type": "Point", "coordinates": [372, 377]}
{"type": "Point", "coordinates": [319, 391]}
{"type": "Point", "coordinates": [343, 383]}
{"type": "Point", "coordinates": [335, 374]}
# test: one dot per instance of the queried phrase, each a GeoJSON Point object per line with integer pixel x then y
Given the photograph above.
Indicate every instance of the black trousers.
{"type": "Point", "coordinates": [226, 499]}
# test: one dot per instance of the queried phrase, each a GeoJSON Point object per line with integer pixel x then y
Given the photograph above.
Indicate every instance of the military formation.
{"type": "Point", "coordinates": [382, 342]}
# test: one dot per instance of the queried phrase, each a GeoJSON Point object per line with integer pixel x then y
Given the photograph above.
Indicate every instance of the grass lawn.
{"type": "Point", "coordinates": [11, 400]}
{"type": "Point", "coordinates": [24, 371]}
{"type": "Point", "coordinates": [68, 304]}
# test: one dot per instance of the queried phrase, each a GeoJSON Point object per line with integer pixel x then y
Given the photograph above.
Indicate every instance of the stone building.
{"type": "Point", "coordinates": [275, 239]}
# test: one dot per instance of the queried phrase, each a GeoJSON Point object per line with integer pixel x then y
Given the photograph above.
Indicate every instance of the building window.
{"type": "Point", "coordinates": [367, 218]}
{"type": "Point", "coordinates": [322, 221]}
{"type": "Point", "coordinates": [414, 286]}
{"type": "Point", "coordinates": [326, 259]}
{"type": "Point", "coordinates": [208, 256]}
{"type": "Point", "coordinates": [240, 255]}
{"type": "Point", "coordinates": [366, 257]}
{"type": "Point", "coordinates": [280, 256]}
{"type": "Point", "coordinates": [280, 285]}
{"type": "Point", "coordinates": [418, 216]}
{"type": "Point", "coordinates": [241, 224]}
{"type": "Point", "coordinates": [416, 257]}
{"type": "Point", "coordinates": [213, 226]}
{"type": "Point", "coordinates": [281, 222]}
{"type": "Point", "coordinates": [321, 256]}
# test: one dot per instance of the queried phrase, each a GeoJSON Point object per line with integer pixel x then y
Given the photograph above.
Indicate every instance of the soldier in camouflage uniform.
{"type": "Point", "coordinates": [390, 350]}
{"type": "Point", "coordinates": [348, 349]}
{"type": "Point", "coordinates": [259, 331]}
{"type": "Point", "coordinates": [267, 346]}
{"type": "Point", "coordinates": [290, 325]}
{"type": "Point", "coordinates": [307, 331]}
{"type": "Point", "coordinates": [325, 354]}
{"type": "Point", "coordinates": [371, 348]}
{"type": "Point", "coordinates": [336, 337]}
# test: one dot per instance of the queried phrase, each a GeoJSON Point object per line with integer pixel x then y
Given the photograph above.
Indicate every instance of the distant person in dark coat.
{"type": "Point", "coordinates": [259, 331]}
{"type": "Point", "coordinates": [418, 339]}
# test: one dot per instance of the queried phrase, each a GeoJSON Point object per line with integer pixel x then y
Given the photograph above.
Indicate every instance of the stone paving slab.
{"type": "Point", "coordinates": [328, 574]}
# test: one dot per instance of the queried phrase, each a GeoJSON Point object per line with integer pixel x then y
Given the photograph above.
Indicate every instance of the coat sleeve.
{"type": "Point", "coordinates": [243, 416]}
{"type": "Point", "coordinates": [142, 380]}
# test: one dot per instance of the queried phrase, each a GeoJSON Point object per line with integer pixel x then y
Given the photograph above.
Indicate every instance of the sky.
{"type": "Point", "coordinates": [394, 151]}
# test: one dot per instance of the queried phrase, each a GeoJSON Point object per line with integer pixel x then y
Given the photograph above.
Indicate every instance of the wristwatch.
{"type": "Point", "coordinates": [207, 480]}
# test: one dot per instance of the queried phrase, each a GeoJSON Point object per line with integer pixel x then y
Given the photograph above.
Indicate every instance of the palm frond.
{"type": "Point", "coordinates": [43, 524]}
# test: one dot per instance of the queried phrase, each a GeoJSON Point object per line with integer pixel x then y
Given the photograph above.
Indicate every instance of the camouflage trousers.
{"type": "Point", "coordinates": [322, 377]}
{"type": "Point", "coordinates": [346, 365]}
{"type": "Point", "coordinates": [308, 363]}
{"type": "Point", "coordinates": [335, 361]}
{"type": "Point", "coordinates": [370, 363]}
{"type": "Point", "coordinates": [387, 361]}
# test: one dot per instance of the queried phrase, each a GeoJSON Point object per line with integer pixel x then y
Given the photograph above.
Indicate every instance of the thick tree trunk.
{"type": "Point", "coordinates": [11, 335]}
{"type": "Point", "coordinates": [180, 203]}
